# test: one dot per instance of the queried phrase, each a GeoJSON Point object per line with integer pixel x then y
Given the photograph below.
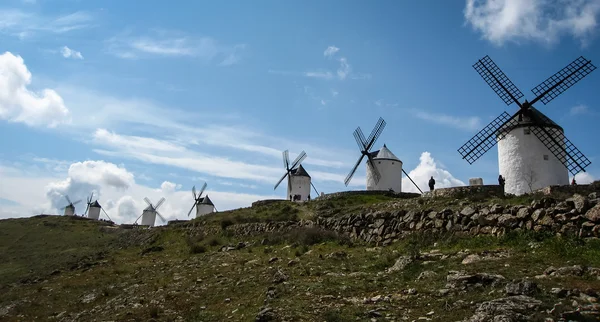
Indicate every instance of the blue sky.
{"type": "Point", "coordinates": [133, 100]}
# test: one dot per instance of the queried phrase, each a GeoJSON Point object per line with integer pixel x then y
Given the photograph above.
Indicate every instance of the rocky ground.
{"type": "Point", "coordinates": [67, 269]}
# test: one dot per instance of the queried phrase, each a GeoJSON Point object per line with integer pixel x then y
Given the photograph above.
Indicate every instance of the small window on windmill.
{"type": "Point", "coordinates": [526, 131]}
{"type": "Point", "coordinates": [392, 162]}
{"type": "Point", "coordinates": [378, 162]}
{"type": "Point", "coordinates": [545, 157]}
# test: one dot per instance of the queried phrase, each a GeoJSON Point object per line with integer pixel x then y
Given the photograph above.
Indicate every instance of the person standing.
{"type": "Point", "coordinates": [501, 182]}
{"type": "Point", "coordinates": [431, 183]}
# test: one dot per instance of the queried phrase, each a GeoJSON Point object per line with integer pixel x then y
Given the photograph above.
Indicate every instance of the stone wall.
{"type": "Point", "coordinates": [465, 191]}
{"type": "Point", "coordinates": [579, 216]}
{"type": "Point", "coordinates": [583, 189]}
{"type": "Point", "coordinates": [402, 195]}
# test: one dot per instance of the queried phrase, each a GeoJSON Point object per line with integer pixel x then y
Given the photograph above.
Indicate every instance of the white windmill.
{"type": "Point", "coordinates": [384, 169]}
{"type": "Point", "coordinates": [149, 214]}
{"type": "Point", "coordinates": [533, 151]}
{"type": "Point", "coordinates": [203, 205]}
{"type": "Point", "coordinates": [93, 209]}
{"type": "Point", "coordinates": [299, 181]}
{"type": "Point", "coordinates": [70, 208]}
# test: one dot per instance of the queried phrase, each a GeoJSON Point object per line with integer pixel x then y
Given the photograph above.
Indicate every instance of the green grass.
{"type": "Point", "coordinates": [181, 271]}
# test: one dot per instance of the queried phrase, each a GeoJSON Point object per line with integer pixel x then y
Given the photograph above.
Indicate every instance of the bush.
{"type": "Point", "coordinates": [195, 244]}
{"type": "Point", "coordinates": [226, 222]}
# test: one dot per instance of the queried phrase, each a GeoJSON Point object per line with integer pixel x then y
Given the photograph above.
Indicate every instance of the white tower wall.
{"type": "Point", "coordinates": [300, 185]}
{"type": "Point", "coordinates": [70, 211]}
{"type": "Point", "coordinates": [94, 213]}
{"type": "Point", "coordinates": [391, 175]}
{"type": "Point", "coordinates": [204, 209]}
{"type": "Point", "coordinates": [525, 161]}
{"type": "Point", "coordinates": [148, 218]}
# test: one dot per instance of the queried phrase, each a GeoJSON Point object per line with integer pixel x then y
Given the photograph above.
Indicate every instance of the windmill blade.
{"type": "Point", "coordinates": [286, 159]}
{"type": "Point", "coordinates": [349, 176]}
{"type": "Point", "coordinates": [190, 212]}
{"type": "Point", "coordinates": [315, 189]}
{"type": "Point", "coordinates": [86, 209]}
{"type": "Point", "coordinates": [278, 182]}
{"type": "Point", "coordinates": [159, 203]}
{"type": "Point", "coordinates": [298, 160]}
{"type": "Point", "coordinates": [498, 81]}
{"type": "Point", "coordinates": [106, 214]}
{"type": "Point", "coordinates": [562, 80]}
{"type": "Point", "coordinates": [69, 200]}
{"type": "Point", "coordinates": [378, 128]}
{"type": "Point", "coordinates": [411, 180]}
{"type": "Point", "coordinates": [563, 150]}
{"type": "Point", "coordinates": [202, 190]}
{"type": "Point", "coordinates": [289, 184]}
{"type": "Point", "coordinates": [485, 139]}
{"type": "Point", "coordinates": [161, 217]}
{"type": "Point", "coordinates": [362, 145]}
{"type": "Point", "coordinates": [138, 218]}
{"type": "Point", "coordinates": [76, 202]}
{"type": "Point", "coordinates": [361, 136]}
{"type": "Point", "coordinates": [147, 201]}
{"type": "Point", "coordinates": [376, 133]}
{"type": "Point", "coordinates": [194, 192]}
{"type": "Point", "coordinates": [215, 208]}
{"type": "Point", "coordinates": [371, 164]}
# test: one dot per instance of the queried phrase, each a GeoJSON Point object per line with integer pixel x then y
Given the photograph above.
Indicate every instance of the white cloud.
{"type": "Point", "coordinates": [27, 24]}
{"type": "Point", "coordinates": [70, 53]}
{"type": "Point", "coordinates": [330, 51]}
{"type": "Point", "coordinates": [461, 123]}
{"type": "Point", "coordinates": [539, 20]}
{"type": "Point", "coordinates": [429, 167]}
{"type": "Point", "coordinates": [19, 104]}
{"type": "Point", "coordinates": [122, 203]}
{"type": "Point", "coordinates": [343, 71]}
{"type": "Point", "coordinates": [579, 109]}
{"type": "Point", "coordinates": [334, 93]}
{"type": "Point", "coordinates": [319, 74]}
{"type": "Point", "coordinates": [583, 178]}
{"type": "Point", "coordinates": [173, 43]}
{"type": "Point", "coordinates": [168, 186]}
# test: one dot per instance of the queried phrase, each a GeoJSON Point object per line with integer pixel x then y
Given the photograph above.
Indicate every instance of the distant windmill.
{"type": "Point", "coordinates": [149, 214]}
{"type": "Point", "coordinates": [529, 162]}
{"type": "Point", "coordinates": [93, 208]}
{"type": "Point", "coordinates": [203, 204]}
{"type": "Point", "coordinates": [70, 208]}
{"type": "Point", "coordinates": [299, 181]}
{"type": "Point", "coordinates": [384, 169]}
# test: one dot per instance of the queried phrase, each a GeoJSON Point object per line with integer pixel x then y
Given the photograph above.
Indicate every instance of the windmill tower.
{"type": "Point", "coordinates": [70, 208]}
{"type": "Point", "coordinates": [203, 205]}
{"type": "Point", "coordinates": [384, 169]}
{"type": "Point", "coordinates": [93, 209]}
{"type": "Point", "coordinates": [533, 151]}
{"type": "Point", "coordinates": [299, 181]}
{"type": "Point", "coordinates": [149, 214]}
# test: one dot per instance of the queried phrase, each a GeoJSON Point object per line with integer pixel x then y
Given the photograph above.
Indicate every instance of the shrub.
{"type": "Point", "coordinates": [226, 222]}
{"type": "Point", "coordinates": [307, 236]}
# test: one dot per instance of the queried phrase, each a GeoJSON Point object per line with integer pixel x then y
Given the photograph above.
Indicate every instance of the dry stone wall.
{"type": "Point", "coordinates": [579, 215]}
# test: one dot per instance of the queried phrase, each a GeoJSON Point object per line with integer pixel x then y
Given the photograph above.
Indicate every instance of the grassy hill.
{"type": "Point", "coordinates": [55, 268]}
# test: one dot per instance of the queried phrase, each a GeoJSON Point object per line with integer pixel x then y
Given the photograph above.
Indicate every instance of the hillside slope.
{"type": "Point", "coordinates": [71, 269]}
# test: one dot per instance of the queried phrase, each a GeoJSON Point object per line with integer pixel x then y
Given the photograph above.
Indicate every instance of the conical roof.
{"type": "Point", "coordinates": [206, 201]}
{"type": "Point", "coordinates": [525, 120]}
{"type": "Point", "coordinates": [384, 153]}
{"type": "Point", "coordinates": [300, 172]}
{"type": "Point", "coordinates": [95, 204]}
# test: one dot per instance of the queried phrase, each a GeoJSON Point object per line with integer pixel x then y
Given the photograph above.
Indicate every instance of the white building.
{"type": "Point", "coordinates": [525, 162]}
{"type": "Point", "coordinates": [70, 210]}
{"type": "Point", "coordinates": [94, 211]}
{"type": "Point", "coordinates": [149, 216]}
{"type": "Point", "coordinates": [299, 185]}
{"type": "Point", "coordinates": [204, 206]}
{"type": "Point", "coordinates": [390, 169]}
